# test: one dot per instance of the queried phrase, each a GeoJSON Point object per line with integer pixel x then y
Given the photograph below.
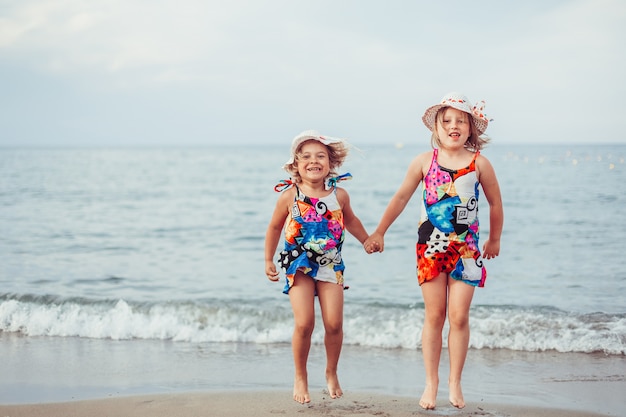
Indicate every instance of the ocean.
{"type": "Point", "coordinates": [167, 244]}
{"type": "Point", "coordinates": [142, 270]}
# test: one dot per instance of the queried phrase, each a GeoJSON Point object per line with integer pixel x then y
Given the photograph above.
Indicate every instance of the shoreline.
{"type": "Point", "coordinates": [272, 403]}
{"type": "Point", "coordinates": [43, 373]}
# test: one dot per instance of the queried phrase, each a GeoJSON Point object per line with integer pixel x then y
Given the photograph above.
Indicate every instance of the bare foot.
{"type": "Point", "coordinates": [301, 391]}
{"type": "Point", "coordinates": [456, 395]}
{"type": "Point", "coordinates": [429, 397]}
{"type": "Point", "coordinates": [334, 389]}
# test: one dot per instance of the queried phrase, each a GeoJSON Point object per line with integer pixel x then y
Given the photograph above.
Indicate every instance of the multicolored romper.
{"type": "Point", "coordinates": [448, 228]}
{"type": "Point", "coordinates": [314, 235]}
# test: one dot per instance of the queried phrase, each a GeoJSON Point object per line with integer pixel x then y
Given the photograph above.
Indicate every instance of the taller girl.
{"type": "Point", "coordinates": [449, 261]}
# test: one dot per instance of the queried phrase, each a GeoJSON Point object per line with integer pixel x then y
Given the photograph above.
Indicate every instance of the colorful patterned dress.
{"type": "Point", "coordinates": [448, 229]}
{"type": "Point", "coordinates": [314, 235]}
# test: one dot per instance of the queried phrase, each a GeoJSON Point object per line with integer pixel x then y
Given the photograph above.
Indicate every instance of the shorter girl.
{"type": "Point", "coordinates": [314, 213]}
{"type": "Point", "coordinates": [449, 262]}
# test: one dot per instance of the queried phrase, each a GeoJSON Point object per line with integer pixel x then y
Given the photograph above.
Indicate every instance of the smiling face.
{"type": "Point", "coordinates": [453, 127]}
{"type": "Point", "coordinates": [313, 161]}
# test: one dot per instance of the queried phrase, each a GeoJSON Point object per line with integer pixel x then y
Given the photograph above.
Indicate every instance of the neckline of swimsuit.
{"type": "Point", "coordinates": [436, 153]}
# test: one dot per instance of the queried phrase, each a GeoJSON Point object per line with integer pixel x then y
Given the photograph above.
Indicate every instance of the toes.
{"type": "Point", "coordinates": [426, 405]}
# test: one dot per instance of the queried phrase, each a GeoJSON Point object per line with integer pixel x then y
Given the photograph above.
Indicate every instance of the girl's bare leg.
{"type": "Point", "coordinates": [331, 302]}
{"type": "Point", "coordinates": [302, 297]}
{"type": "Point", "coordinates": [459, 300]}
{"type": "Point", "coordinates": [435, 298]}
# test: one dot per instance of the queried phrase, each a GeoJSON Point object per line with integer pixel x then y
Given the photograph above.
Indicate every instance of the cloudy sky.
{"type": "Point", "coordinates": [199, 72]}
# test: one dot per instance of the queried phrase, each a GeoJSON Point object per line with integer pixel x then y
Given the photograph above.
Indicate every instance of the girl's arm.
{"type": "Point", "coordinates": [274, 230]}
{"type": "Point", "coordinates": [489, 182]}
{"type": "Point", "coordinates": [398, 202]}
{"type": "Point", "coordinates": [350, 221]}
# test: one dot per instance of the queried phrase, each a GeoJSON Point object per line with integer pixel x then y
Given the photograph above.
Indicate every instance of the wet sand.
{"type": "Point", "coordinates": [93, 377]}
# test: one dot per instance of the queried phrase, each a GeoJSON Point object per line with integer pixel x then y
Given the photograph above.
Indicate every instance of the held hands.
{"type": "Point", "coordinates": [374, 243]}
{"type": "Point", "coordinates": [270, 271]}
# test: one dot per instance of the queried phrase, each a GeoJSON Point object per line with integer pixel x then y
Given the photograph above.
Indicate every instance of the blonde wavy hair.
{"type": "Point", "coordinates": [337, 154]}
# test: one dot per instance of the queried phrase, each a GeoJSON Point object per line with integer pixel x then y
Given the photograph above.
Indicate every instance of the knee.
{"type": "Point", "coordinates": [304, 328]}
{"type": "Point", "coordinates": [435, 317]}
{"type": "Point", "coordinates": [333, 328]}
{"type": "Point", "coordinates": [458, 320]}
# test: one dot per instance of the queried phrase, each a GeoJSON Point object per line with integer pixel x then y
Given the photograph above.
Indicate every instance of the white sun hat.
{"type": "Point", "coordinates": [460, 102]}
{"type": "Point", "coordinates": [309, 135]}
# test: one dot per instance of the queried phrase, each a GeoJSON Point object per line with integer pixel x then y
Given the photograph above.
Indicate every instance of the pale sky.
{"type": "Point", "coordinates": [202, 72]}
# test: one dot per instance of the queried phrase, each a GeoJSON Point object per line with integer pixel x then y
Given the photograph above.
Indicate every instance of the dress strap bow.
{"type": "Point", "coordinates": [332, 181]}
{"type": "Point", "coordinates": [283, 185]}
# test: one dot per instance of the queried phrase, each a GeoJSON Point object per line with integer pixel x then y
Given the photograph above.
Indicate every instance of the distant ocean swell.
{"type": "Point", "coordinates": [266, 321]}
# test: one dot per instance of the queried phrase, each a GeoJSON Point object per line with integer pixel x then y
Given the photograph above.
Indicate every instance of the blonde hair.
{"type": "Point", "coordinates": [475, 142]}
{"type": "Point", "coordinates": [337, 153]}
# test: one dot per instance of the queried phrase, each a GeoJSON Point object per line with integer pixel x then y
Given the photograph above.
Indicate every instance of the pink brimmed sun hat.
{"type": "Point", "coordinates": [309, 135]}
{"type": "Point", "coordinates": [459, 102]}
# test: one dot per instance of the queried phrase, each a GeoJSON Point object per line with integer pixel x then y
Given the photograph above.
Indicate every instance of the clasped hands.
{"type": "Point", "coordinates": [374, 243]}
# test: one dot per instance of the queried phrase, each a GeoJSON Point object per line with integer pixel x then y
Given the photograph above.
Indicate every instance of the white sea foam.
{"type": "Point", "coordinates": [372, 325]}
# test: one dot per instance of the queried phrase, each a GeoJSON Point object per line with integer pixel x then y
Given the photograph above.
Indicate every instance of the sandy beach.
{"type": "Point", "coordinates": [47, 376]}
{"type": "Point", "coordinates": [271, 404]}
